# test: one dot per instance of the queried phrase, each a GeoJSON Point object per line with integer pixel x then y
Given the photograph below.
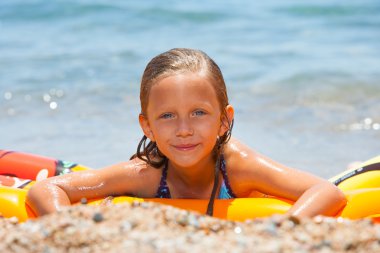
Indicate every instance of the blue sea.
{"type": "Point", "coordinates": [304, 76]}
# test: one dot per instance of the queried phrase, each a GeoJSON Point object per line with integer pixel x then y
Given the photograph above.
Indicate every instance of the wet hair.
{"type": "Point", "coordinates": [173, 62]}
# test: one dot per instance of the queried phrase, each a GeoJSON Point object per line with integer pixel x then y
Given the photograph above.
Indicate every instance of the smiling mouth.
{"type": "Point", "coordinates": [186, 147]}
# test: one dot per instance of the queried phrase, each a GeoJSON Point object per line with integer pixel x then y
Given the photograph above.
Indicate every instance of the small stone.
{"type": "Point", "coordinates": [295, 220]}
{"type": "Point", "coordinates": [318, 219]}
{"type": "Point", "coordinates": [13, 220]}
{"type": "Point", "coordinates": [136, 203]}
{"type": "Point", "coordinates": [83, 201]}
{"type": "Point", "coordinates": [271, 229]}
{"type": "Point", "coordinates": [193, 221]}
{"type": "Point", "coordinates": [237, 230]}
{"type": "Point", "coordinates": [128, 225]}
{"type": "Point", "coordinates": [98, 217]}
{"type": "Point", "coordinates": [144, 205]}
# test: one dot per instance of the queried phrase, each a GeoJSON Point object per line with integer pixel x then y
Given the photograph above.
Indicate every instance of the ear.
{"type": "Point", "coordinates": [144, 124]}
{"type": "Point", "coordinates": [226, 120]}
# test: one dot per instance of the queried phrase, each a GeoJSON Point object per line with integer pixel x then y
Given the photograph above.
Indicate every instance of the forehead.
{"type": "Point", "coordinates": [185, 87]}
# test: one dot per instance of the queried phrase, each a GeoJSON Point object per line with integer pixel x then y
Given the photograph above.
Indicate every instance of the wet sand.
{"type": "Point", "coordinates": [150, 227]}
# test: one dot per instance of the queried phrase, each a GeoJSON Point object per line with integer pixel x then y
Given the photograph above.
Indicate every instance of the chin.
{"type": "Point", "coordinates": [184, 163]}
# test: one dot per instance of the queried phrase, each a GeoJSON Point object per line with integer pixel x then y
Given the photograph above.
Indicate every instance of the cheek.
{"type": "Point", "coordinates": [209, 129]}
{"type": "Point", "coordinates": [161, 131]}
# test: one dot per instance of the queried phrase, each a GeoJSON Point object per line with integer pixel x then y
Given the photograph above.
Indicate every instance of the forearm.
{"type": "Point", "coordinates": [321, 199]}
{"type": "Point", "coordinates": [44, 198]}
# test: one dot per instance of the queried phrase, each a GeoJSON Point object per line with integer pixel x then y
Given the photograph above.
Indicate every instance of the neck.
{"type": "Point", "coordinates": [194, 180]}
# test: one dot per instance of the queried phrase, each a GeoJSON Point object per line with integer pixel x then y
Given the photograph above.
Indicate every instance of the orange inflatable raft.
{"type": "Point", "coordinates": [18, 171]}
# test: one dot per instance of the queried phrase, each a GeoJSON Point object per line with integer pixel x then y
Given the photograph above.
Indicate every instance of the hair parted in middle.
{"type": "Point", "coordinates": [172, 62]}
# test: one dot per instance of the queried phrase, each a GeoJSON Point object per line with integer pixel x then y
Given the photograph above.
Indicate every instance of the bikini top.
{"type": "Point", "coordinates": [225, 189]}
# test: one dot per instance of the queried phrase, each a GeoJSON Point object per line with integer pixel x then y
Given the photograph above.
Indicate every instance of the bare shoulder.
{"type": "Point", "coordinates": [239, 156]}
{"type": "Point", "coordinates": [134, 167]}
{"type": "Point", "coordinates": [242, 158]}
{"type": "Point", "coordinates": [135, 177]}
{"type": "Point", "coordinates": [251, 172]}
{"type": "Point", "coordinates": [241, 163]}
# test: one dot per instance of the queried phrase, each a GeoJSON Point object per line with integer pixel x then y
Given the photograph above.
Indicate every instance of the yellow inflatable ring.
{"type": "Point", "coordinates": [361, 186]}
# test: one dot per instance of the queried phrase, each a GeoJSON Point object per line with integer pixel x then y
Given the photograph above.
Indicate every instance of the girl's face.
{"type": "Point", "coordinates": [184, 118]}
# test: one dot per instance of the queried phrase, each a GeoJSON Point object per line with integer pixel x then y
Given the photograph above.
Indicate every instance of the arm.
{"type": "Point", "coordinates": [255, 172]}
{"type": "Point", "coordinates": [322, 198]}
{"type": "Point", "coordinates": [50, 195]}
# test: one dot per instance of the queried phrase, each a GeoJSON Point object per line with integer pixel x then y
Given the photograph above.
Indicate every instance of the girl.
{"type": "Point", "coordinates": [187, 150]}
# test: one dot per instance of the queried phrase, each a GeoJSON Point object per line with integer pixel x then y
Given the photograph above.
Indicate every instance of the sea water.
{"type": "Point", "coordinates": [304, 76]}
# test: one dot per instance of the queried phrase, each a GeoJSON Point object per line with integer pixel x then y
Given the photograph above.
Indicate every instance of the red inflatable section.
{"type": "Point", "coordinates": [23, 165]}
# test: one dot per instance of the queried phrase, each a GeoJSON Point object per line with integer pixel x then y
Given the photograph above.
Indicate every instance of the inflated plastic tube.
{"type": "Point", "coordinates": [20, 170]}
{"type": "Point", "coordinates": [361, 204]}
{"type": "Point", "coordinates": [366, 175]}
{"type": "Point", "coordinates": [361, 186]}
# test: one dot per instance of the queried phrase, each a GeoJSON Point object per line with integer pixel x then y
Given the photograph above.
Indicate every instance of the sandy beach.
{"type": "Point", "coordinates": [150, 227]}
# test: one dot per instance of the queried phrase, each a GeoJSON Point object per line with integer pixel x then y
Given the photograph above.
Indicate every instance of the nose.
{"type": "Point", "coordinates": [184, 128]}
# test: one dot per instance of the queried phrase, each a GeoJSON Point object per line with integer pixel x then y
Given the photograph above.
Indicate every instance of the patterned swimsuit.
{"type": "Point", "coordinates": [225, 189]}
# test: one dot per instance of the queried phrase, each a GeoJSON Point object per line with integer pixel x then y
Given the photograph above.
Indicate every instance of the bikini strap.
{"type": "Point", "coordinates": [163, 189]}
{"type": "Point", "coordinates": [225, 177]}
